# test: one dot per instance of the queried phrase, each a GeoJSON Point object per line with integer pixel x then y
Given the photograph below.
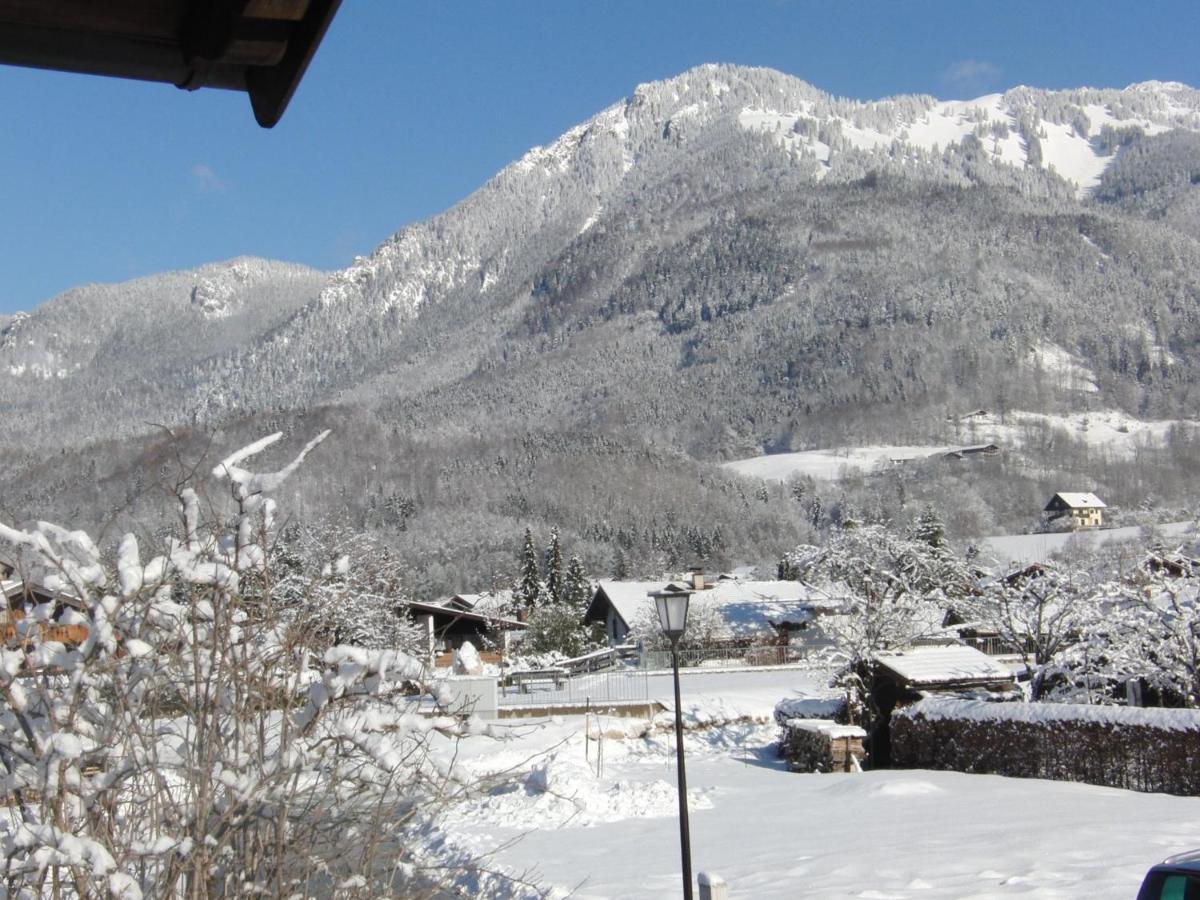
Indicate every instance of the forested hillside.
{"type": "Point", "coordinates": [727, 263]}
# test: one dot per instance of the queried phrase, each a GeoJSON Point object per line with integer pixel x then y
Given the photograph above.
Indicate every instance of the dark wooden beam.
{"type": "Point", "coordinates": [271, 88]}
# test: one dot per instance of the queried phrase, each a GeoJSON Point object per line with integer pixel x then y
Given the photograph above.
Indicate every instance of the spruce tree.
{"type": "Point", "coordinates": [620, 565]}
{"type": "Point", "coordinates": [554, 569]}
{"type": "Point", "coordinates": [529, 584]}
{"type": "Point", "coordinates": [577, 588]}
{"type": "Point", "coordinates": [929, 528]}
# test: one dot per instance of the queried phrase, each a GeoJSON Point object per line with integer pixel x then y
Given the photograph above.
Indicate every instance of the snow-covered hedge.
{"type": "Point", "coordinates": [1154, 750]}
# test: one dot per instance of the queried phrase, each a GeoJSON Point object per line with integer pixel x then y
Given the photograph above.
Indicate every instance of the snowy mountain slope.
{"type": "Point", "coordinates": [1070, 133]}
{"type": "Point", "coordinates": [106, 359]}
{"type": "Point", "coordinates": [217, 305]}
{"type": "Point", "coordinates": [485, 254]}
{"type": "Point", "coordinates": [726, 263]}
{"type": "Point", "coordinates": [492, 242]}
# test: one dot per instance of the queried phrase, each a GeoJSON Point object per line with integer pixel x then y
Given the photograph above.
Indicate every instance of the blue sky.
{"type": "Point", "coordinates": [409, 106]}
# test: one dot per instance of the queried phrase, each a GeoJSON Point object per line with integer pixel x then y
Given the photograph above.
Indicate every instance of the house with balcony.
{"type": "Point", "coordinates": [1073, 510]}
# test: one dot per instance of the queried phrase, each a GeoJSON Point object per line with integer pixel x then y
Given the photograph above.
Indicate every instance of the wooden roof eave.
{"type": "Point", "coordinates": [261, 47]}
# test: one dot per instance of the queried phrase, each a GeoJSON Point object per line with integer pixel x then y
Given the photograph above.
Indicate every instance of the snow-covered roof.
{"type": "Point", "coordinates": [746, 607]}
{"type": "Point", "coordinates": [739, 573]}
{"type": "Point", "coordinates": [1079, 500]}
{"type": "Point", "coordinates": [827, 727]}
{"type": "Point", "coordinates": [489, 603]}
{"type": "Point", "coordinates": [928, 666]}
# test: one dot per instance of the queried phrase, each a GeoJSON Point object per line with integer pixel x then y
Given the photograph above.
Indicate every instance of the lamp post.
{"type": "Point", "coordinates": [672, 604]}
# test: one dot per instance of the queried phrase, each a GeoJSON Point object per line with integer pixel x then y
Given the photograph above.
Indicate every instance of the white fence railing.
{"type": "Point", "coordinates": [620, 685]}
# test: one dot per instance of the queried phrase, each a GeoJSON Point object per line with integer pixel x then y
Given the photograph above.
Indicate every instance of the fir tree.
{"type": "Point", "coordinates": [929, 528]}
{"type": "Point", "coordinates": [577, 588]}
{"type": "Point", "coordinates": [554, 569]}
{"type": "Point", "coordinates": [620, 565]}
{"type": "Point", "coordinates": [529, 583]}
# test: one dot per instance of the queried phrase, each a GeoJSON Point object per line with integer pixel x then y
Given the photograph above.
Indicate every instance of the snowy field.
{"type": "Point", "coordinates": [828, 465]}
{"type": "Point", "coordinates": [598, 819]}
{"type": "Point", "coordinates": [1109, 431]}
{"type": "Point", "coordinates": [1025, 549]}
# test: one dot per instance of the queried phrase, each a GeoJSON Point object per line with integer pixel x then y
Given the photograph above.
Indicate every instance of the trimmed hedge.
{"type": "Point", "coordinates": [1156, 750]}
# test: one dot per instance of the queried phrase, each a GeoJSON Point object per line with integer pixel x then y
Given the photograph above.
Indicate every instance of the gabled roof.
{"type": "Point", "coordinates": [746, 608]}
{"type": "Point", "coordinates": [936, 667]}
{"type": "Point", "coordinates": [452, 613]}
{"type": "Point", "coordinates": [1076, 500]}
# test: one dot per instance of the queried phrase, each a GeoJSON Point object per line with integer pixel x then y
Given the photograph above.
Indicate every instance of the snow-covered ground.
{"type": "Point", "coordinates": [1030, 548]}
{"type": "Point", "coordinates": [599, 818]}
{"type": "Point", "coordinates": [829, 465]}
{"type": "Point", "coordinates": [1110, 431]}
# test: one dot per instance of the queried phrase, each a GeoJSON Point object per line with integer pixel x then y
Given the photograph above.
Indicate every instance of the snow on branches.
{"type": "Point", "coordinates": [167, 728]}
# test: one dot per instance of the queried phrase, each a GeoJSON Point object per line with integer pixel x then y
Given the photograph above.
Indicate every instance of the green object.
{"type": "Point", "coordinates": [1174, 888]}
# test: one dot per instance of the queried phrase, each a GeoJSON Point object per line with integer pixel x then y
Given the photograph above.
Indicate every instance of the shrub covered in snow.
{"type": "Point", "coordinates": [199, 742]}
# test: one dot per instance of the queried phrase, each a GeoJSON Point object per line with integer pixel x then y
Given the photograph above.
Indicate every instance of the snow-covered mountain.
{"type": "Point", "coordinates": [1074, 135]}
{"type": "Point", "coordinates": [495, 240]}
{"type": "Point", "coordinates": [725, 262]}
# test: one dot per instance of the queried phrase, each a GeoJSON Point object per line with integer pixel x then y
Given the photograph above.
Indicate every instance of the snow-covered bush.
{"type": "Point", "coordinates": [200, 742]}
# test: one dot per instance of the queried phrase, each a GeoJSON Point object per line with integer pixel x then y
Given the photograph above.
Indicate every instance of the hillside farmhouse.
{"type": "Point", "coordinates": [1075, 510]}
{"type": "Point", "coordinates": [728, 610]}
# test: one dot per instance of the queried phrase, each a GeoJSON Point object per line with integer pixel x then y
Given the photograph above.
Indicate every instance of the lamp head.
{"type": "Point", "coordinates": [672, 605]}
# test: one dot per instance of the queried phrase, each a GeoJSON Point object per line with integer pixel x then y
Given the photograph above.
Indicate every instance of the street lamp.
{"type": "Point", "coordinates": [672, 604]}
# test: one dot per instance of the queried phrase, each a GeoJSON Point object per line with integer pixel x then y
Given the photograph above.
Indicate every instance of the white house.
{"type": "Point", "coordinates": [1078, 509]}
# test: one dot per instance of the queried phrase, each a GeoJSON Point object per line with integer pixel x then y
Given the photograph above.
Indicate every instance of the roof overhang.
{"type": "Point", "coordinates": [451, 614]}
{"type": "Point", "coordinates": [261, 47]}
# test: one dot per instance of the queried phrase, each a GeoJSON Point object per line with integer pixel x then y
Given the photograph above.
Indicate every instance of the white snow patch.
{"type": "Point", "coordinates": [1112, 431]}
{"type": "Point", "coordinates": [1070, 368]}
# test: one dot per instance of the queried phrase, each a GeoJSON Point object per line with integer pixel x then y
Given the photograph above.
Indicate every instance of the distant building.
{"type": "Point", "coordinates": [1078, 510]}
{"type": "Point", "coordinates": [973, 450]}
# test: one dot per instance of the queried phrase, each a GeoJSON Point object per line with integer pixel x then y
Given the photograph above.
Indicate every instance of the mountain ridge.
{"type": "Point", "coordinates": [724, 263]}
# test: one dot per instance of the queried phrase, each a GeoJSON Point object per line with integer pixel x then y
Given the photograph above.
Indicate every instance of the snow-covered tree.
{"type": "Point", "coordinates": [529, 582]}
{"type": "Point", "coordinates": [577, 587]}
{"type": "Point", "coordinates": [1042, 614]}
{"type": "Point", "coordinates": [346, 586]}
{"type": "Point", "coordinates": [873, 562]}
{"type": "Point", "coordinates": [892, 590]}
{"type": "Point", "coordinates": [620, 565]}
{"type": "Point", "coordinates": [194, 741]}
{"type": "Point", "coordinates": [554, 568]}
{"type": "Point", "coordinates": [1153, 632]}
{"type": "Point", "coordinates": [558, 627]}
{"type": "Point", "coordinates": [929, 528]}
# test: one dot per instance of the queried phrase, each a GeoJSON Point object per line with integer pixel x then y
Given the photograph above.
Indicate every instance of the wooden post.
{"type": "Point", "coordinates": [713, 887]}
